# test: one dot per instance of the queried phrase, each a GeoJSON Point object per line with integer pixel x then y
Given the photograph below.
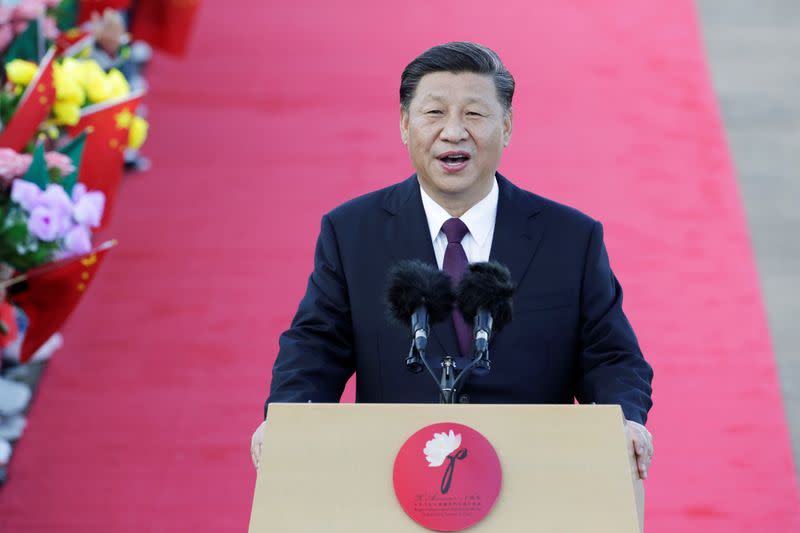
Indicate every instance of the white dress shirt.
{"type": "Point", "coordinates": [480, 219]}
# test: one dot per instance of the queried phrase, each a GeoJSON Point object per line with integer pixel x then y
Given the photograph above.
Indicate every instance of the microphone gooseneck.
{"type": "Point", "coordinates": [484, 298]}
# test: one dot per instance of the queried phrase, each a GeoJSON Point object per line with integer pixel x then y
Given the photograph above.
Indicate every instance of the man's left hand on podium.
{"type": "Point", "coordinates": [640, 442]}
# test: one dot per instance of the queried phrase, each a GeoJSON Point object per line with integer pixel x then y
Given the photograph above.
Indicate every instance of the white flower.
{"type": "Point", "coordinates": [26, 194]}
{"type": "Point", "coordinates": [440, 447]}
{"type": "Point", "coordinates": [55, 197]}
{"type": "Point", "coordinates": [88, 205]}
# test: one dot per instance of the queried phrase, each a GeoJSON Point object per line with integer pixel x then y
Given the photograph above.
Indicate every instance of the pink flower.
{"type": "Point", "coordinates": [89, 206]}
{"type": "Point", "coordinates": [5, 13]}
{"type": "Point", "coordinates": [26, 194]}
{"type": "Point", "coordinates": [50, 28]}
{"type": "Point", "coordinates": [13, 164]}
{"type": "Point", "coordinates": [29, 9]}
{"type": "Point", "coordinates": [59, 161]}
{"type": "Point", "coordinates": [6, 36]}
{"type": "Point", "coordinates": [77, 241]}
{"type": "Point", "coordinates": [48, 224]}
{"type": "Point", "coordinates": [55, 198]}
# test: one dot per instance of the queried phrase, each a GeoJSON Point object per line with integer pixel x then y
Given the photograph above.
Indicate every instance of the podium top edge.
{"type": "Point", "coordinates": [416, 406]}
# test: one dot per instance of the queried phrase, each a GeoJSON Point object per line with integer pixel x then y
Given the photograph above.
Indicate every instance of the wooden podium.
{"type": "Point", "coordinates": [328, 467]}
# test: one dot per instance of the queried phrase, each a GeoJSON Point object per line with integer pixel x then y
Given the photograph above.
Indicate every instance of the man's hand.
{"type": "Point", "coordinates": [255, 444]}
{"type": "Point", "coordinates": [640, 443]}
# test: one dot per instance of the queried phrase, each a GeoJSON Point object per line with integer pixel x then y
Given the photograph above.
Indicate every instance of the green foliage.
{"type": "Point", "coordinates": [37, 172]}
{"type": "Point", "coordinates": [74, 150]}
{"type": "Point", "coordinates": [28, 45]}
{"type": "Point", "coordinates": [18, 247]}
{"type": "Point", "coordinates": [9, 101]}
{"type": "Point", "coordinates": [66, 14]}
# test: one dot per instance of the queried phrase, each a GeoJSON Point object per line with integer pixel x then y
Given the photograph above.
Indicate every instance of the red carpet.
{"type": "Point", "coordinates": [283, 111]}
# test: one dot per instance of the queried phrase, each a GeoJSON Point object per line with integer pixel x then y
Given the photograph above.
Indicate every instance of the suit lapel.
{"type": "Point", "coordinates": [408, 237]}
{"type": "Point", "coordinates": [517, 230]}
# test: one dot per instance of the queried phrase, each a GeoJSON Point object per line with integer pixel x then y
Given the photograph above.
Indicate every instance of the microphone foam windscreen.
{"type": "Point", "coordinates": [413, 283]}
{"type": "Point", "coordinates": [487, 286]}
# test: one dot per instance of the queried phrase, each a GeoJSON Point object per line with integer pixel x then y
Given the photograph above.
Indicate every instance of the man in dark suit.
{"type": "Point", "coordinates": [569, 338]}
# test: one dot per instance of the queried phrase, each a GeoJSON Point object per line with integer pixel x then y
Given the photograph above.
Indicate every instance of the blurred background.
{"type": "Point", "coordinates": [144, 340]}
{"type": "Point", "coordinates": [750, 49]}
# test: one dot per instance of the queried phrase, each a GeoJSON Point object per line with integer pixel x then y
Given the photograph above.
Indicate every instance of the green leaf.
{"type": "Point", "coordinates": [74, 150]}
{"type": "Point", "coordinates": [37, 172]}
{"type": "Point", "coordinates": [16, 234]}
{"type": "Point", "coordinates": [9, 102]}
{"type": "Point", "coordinates": [31, 258]}
{"type": "Point", "coordinates": [67, 14]}
{"type": "Point", "coordinates": [29, 45]}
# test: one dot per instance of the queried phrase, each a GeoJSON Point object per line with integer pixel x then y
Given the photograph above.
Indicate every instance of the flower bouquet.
{"type": "Point", "coordinates": [78, 83]}
{"type": "Point", "coordinates": [44, 217]}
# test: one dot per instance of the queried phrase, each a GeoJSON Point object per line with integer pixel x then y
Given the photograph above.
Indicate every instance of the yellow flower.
{"type": "Point", "coordinates": [73, 69]}
{"type": "Point", "coordinates": [95, 81]}
{"type": "Point", "coordinates": [90, 70]}
{"type": "Point", "coordinates": [138, 133]}
{"type": "Point", "coordinates": [68, 89]}
{"type": "Point", "coordinates": [21, 72]}
{"type": "Point", "coordinates": [66, 113]}
{"type": "Point", "coordinates": [119, 85]}
{"type": "Point", "coordinates": [98, 89]}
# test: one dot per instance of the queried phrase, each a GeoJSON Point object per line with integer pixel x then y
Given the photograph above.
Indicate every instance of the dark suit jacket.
{"type": "Point", "coordinates": [568, 339]}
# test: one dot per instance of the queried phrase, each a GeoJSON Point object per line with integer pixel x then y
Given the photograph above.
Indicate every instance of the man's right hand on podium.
{"type": "Point", "coordinates": [255, 444]}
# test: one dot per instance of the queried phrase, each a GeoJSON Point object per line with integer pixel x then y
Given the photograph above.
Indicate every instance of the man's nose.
{"type": "Point", "coordinates": [454, 130]}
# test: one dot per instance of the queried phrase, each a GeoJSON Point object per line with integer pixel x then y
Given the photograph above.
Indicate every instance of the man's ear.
{"type": "Point", "coordinates": [404, 125]}
{"type": "Point", "coordinates": [508, 126]}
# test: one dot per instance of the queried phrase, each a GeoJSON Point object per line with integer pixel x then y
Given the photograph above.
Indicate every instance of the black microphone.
{"type": "Point", "coordinates": [484, 298]}
{"type": "Point", "coordinates": [419, 294]}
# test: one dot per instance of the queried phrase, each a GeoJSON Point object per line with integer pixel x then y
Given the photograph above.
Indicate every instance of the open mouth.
{"type": "Point", "coordinates": [454, 160]}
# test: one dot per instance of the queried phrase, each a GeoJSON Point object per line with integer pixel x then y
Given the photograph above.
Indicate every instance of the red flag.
{"type": "Point", "coordinates": [90, 6]}
{"type": "Point", "coordinates": [34, 106]}
{"type": "Point", "coordinates": [52, 293]}
{"type": "Point", "coordinates": [165, 24]}
{"type": "Point", "coordinates": [107, 124]}
{"type": "Point", "coordinates": [72, 41]}
{"type": "Point", "coordinates": [8, 324]}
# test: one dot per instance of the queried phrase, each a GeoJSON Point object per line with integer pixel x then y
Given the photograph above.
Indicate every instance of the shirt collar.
{"type": "Point", "coordinates": [479, 218]}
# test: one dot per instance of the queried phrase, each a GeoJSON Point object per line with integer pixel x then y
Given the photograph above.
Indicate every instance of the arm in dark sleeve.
{"type": "Point", "coordinates": [315, 358]}
{"type": "Point", "coordinates": [612, 367]}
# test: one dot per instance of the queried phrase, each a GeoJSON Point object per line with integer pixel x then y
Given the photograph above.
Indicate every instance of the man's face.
{"type": "Point", "coordinates": [456, 130]}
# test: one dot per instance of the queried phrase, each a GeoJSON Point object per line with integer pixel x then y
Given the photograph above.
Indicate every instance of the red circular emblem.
{"type": "Point", "coordinates": [447, 477]}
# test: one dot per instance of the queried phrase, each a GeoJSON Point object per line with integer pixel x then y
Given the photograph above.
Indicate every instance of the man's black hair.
{"type": "Point", "coordinates": [457, 57]}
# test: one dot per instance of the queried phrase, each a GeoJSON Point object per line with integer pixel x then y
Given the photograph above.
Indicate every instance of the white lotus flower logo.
{"type": "Point", "coordinates": [442, 445]}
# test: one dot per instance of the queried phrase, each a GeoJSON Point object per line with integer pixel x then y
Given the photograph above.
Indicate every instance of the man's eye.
{"type": "Point", "coordinates": [474, 114]}
{"type": "Point", "coordinates": [434, 112]}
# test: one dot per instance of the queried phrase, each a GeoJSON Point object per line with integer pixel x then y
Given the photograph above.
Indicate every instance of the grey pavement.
{"type": "Point", "coordinates": [753, 49]}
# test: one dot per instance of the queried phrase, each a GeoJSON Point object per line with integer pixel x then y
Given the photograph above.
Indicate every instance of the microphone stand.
{"type": "Point", "coordinates": [419, 355]}
{"type": "Point", "coordinates": [447, 383]}
{"type": "Point", "coordinates": [480, 358]}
